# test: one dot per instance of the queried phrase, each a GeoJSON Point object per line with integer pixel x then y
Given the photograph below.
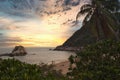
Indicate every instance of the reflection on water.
{"type": "Point", "coordinates": [40, 55]}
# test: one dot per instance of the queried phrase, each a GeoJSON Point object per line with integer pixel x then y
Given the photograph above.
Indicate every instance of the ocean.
{"type": "Point", "coordinates": [38, 55]}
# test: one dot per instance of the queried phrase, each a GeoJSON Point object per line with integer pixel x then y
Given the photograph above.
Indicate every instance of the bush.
{"type": "Point", "coordinates": [12, 69]}
{"type": "Point", "coordinates": [100, 61]}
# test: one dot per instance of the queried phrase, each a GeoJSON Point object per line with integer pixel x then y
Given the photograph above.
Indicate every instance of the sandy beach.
{"type": "Point", "coordinates": [62, 66]}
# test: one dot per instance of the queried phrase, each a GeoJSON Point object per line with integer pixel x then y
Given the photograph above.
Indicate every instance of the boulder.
{"type": "Point", "coordinates": [18, 51]}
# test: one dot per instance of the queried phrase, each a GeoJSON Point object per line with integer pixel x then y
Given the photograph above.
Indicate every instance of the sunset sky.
{"type": "Point", "coordinates": [37, 23]}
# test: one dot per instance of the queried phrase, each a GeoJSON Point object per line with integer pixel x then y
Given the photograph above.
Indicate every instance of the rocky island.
{"type": "Point", "coordinates": [17, 51]}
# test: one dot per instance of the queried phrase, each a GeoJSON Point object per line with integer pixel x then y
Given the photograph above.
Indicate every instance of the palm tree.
{"type": "Point", "coordinates": [113, 6]}
{"type": "Point", "coordinates": [103, 24]}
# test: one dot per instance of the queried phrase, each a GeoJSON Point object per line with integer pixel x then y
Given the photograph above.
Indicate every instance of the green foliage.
{"type": "Point", "coordinates": [12, 69]}
{"type": "Point", "coordinates": [113, 6]}
{"type": "Point", "coordinates": [100, 61]}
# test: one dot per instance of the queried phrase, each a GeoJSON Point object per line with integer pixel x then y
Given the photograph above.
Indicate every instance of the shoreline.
{"type": "Point", "coordinates": [67, 48]}
{"type": "Point", "coordinates": [62, 66]}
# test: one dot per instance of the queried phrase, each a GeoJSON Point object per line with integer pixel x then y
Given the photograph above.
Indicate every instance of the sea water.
{"type": "Point", "coordinates": [38, 55]}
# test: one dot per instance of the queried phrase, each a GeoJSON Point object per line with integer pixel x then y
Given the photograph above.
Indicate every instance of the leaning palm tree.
{"type": "Point", "coordinates": [103, 24]}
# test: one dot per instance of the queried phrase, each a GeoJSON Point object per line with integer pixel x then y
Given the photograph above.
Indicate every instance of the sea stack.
{"type": "Point", "coordinates": [18, 51]}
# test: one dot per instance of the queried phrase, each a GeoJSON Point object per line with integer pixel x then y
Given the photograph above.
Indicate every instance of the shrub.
{"type": "Point", "coordinates": [12, 69]}
{"type": "Point", "coordinates": [100, 61]}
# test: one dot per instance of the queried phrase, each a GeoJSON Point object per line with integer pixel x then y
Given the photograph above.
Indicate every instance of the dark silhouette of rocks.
{"type": "Point", "coordinates": [18, 51]}
{"type": "Point", "coordinates": [67, 48]}
{"type": "Point", "coordinates": [6, 54]}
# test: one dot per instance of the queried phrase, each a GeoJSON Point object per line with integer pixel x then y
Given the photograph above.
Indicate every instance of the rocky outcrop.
{"type": "Point", "coordinates": [18, 51]}
{"type": "Point", "coordinates": [67, 48]}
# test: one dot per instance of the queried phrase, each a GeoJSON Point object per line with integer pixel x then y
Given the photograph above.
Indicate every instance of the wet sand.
{"type": "Point", "coordinates": [62, 66]}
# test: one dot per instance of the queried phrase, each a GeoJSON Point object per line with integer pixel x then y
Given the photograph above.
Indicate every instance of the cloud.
{"type": "Point", "coordinates": [42, 0]}
{"type": "Point", "coordinates": [9, 27]}
{"type": "Point", "coordinates": [35, 22]}
{"type": "Point", "coordinates": [66, 9]}
{"type": "Point", "coordinates": [21, 8]}
{"type": "Point", "coordinates": [72, 2]}
{"type": "Point", "coordinates": [68, 21]}
{"type": "Point", "coordinates": [67, 2]}
{"type": "Point", "coordinates": [58, 6]}
{"type": "Point", "coordinates": [6, 44]}
{"type": "Point", "coordinates": [28, 8]}
{"type": "Point", "coordinates": [6, 24]}
{"type": "Point", "coordinates": [1, 34]}
{"type": "Point", "coordinates": [9, 41]}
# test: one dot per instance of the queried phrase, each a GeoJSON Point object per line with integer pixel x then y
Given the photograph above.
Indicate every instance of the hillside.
{"type": "Point", "coordinates": [80, 38]}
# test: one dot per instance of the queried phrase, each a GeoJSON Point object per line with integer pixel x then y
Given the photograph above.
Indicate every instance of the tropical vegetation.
{"type": "Point", "coordinates": [12, 69]}
{"type": "Point", "coordinates": [100, 61]}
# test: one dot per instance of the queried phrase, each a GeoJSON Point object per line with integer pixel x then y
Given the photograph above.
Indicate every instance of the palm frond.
{"type": "Point", "coordinates": [107, 29]}
{"type": "Point", "coordinates": [86, 6]}
{"type": "Point", "coordinates": [96, 28]}
{"type": "Point", "coordinates": [111, 21]}
{"type": "Point", "coordinates": [87, 17]}
{"type": "Point", "coordinates": [108, 13]}
{"type": "Point", "coordinates": [92, 28]}
{"type": "Point", "coordinates": [93, 24]}
{"type": "Point", "coordinates": [111, 25]}
{"type": "Point", "coordinates": [85, 10]}
{"type": "Point", "coordinates": [82, 12]}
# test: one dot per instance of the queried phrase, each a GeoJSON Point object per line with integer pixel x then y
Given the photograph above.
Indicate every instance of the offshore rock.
{"type": "Point", "coordinates": [18, 51]}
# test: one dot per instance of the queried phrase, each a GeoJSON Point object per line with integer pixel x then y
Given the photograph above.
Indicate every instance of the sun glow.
{"type": "Point", "coordinates": [41, 41]}
{"type": "Point", "coordinates": [40, 34]}
{"type": "Point", "coordinates": [46, 31]}
{"type": "Point", "coordinates": [47, 25]}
